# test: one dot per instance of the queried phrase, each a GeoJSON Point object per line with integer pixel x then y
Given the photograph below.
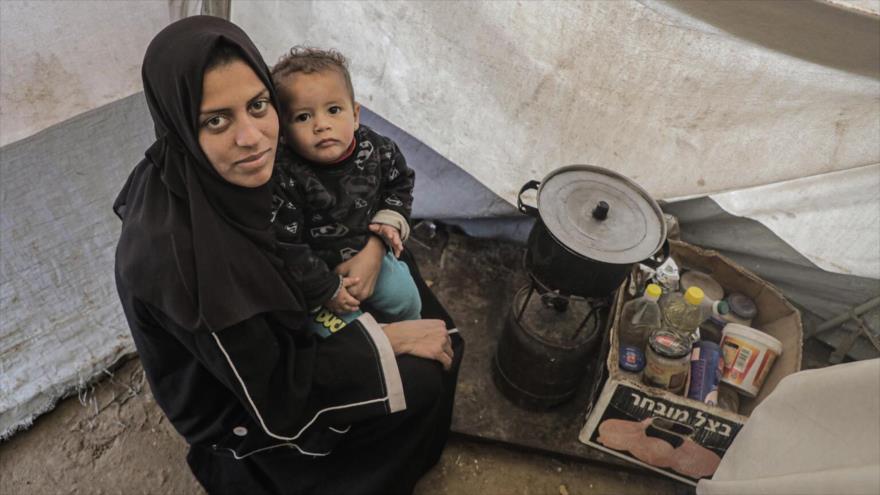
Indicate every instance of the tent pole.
{"type": "Point", "coordinates": [853, 313]}
{"type": "Point", "coordinates": [216, 8]}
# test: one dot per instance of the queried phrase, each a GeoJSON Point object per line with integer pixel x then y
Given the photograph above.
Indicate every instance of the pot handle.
{"type": "Point", "coordinates": [522, 207]}
{"type": "Point", "coordinates": [659, 257]}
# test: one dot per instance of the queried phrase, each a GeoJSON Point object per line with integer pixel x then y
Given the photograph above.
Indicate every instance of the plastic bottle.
{"type": "Point", "coordinates": [713, 319]}
{"type": "Point", "coordinates": [681, 312]}
{"type": "Point", "coordinates": [638, 319]}
{"type": "Point", "coordinates": [710, 308]}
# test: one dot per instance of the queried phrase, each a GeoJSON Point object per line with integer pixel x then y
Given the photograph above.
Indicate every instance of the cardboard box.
{"type": "Point", "coordinates": [671, 434]}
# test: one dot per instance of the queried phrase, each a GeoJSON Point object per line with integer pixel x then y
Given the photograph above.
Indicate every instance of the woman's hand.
{"type": "Point", "coordinates": [364, 266]}
{"type": "Point", "coordinates": [423, 338]}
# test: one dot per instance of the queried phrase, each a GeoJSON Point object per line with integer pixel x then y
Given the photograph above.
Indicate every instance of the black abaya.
{"type": "Point", "coordinates": [265, 405]}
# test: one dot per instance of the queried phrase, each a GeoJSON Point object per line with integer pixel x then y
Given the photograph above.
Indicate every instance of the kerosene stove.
{"type": "Point", "coordinates": [591, 226]}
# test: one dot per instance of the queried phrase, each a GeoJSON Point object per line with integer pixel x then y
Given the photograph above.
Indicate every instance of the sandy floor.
{"type": "Point", "coordinates": [114, 439]}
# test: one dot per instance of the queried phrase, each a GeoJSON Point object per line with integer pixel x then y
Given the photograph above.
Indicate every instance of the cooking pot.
{"type": "Point", "coordinates": [591, 226]}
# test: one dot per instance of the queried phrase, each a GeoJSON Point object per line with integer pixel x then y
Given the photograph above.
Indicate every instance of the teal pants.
{"type": "Point", "coordinates": [395, 298]}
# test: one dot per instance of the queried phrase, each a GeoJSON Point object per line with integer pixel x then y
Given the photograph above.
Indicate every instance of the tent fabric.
{"type": "Point", "coordinates": [815, 434]}
{"type": "Point", "coordinates": [512, 90]}
{"type": "Point", "coordinates": [832, 219]}
{"type": "Point", "coordinates": [60, 59]}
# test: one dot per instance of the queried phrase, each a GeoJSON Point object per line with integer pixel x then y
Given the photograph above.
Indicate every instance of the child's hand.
{"type": "Point", "coordinates": [344, 302]}
{"type": "Point", "coordinates": [390, 234]}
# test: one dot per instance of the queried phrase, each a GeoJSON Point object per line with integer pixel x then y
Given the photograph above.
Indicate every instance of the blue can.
{"type": "Point", "coordinates": [706, 370]}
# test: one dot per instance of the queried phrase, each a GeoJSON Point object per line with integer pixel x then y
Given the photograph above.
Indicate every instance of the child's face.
{"type": "Point", "coordinates": [321, 118]}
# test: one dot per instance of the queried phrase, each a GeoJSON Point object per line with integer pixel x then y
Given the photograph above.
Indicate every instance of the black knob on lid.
{"type": "Point", "coordinates": [600, 212]}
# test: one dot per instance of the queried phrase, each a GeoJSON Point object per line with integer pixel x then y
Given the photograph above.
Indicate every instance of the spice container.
{"type": "Point", "coordinates": [668, 361]}
{"type": "Point", "coordinates": [742, 309]}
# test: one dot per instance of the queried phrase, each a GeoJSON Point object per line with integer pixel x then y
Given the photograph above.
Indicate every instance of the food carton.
{"type": "Point", "coordinates": [679, 437]}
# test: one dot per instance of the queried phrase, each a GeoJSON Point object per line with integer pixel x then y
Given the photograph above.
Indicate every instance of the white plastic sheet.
{"type": "Point", "coordinates": [60, 59]}
{"type": "Point", "coordinates": [832, 219]}
{"type": "Point", "coordinates": [687, 98]}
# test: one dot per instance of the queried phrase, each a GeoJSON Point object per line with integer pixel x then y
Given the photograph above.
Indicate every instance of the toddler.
{"type": "Point", "coordinates": [346, 182]}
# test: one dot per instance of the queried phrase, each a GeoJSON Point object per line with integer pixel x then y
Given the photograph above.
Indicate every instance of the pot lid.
{"type": "Point", "coordinates": [600, 214]}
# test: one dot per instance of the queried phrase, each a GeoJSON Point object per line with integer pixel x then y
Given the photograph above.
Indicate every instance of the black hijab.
{"type": "Point", "coordinates": [198, 248]}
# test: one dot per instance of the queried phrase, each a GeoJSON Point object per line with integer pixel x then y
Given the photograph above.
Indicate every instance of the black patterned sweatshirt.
{"type": "Point", "coordinates": [322, 212]}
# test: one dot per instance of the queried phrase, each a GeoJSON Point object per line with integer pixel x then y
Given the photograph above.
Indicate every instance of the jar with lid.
{"type": "Point", "coordinates": [742, 309]}
{"type": "Point", "coordinates": [668, 361]}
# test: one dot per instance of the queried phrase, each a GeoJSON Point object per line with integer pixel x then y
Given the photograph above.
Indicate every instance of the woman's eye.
{"type": "Point", "coordinates": [215, 123]}
{"type": "Point", "coordinates": [334, 109]}
{"type": "Point", "coordinates": [302, 117]}
{"type": "Point", "coordinates": [260, 106]}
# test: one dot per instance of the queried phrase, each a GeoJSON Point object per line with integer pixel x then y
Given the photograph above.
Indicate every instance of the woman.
{"type": "Point", "coordinates": [266, 406]}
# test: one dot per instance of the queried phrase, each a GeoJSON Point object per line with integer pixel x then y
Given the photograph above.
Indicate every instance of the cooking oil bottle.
{"type": "Point", "coordinates": [681, 312]}
{"type": "Point", "coordinates": [638, 319]}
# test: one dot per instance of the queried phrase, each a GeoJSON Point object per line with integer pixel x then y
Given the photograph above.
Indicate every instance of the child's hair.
{"type": "Point", "coordinates": [309, 60]}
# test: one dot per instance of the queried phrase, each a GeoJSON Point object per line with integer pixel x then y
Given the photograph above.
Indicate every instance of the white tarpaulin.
{"type": "Point", "coordinates": [512, 90]}
{"type": "Point", "coordinates": [833, 219]}
{"type": "Point", "coordinates": [63, 58]}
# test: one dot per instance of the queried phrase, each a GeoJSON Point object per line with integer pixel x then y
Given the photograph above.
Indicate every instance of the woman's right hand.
{"type": "Point", "coordinates": [423, 338]}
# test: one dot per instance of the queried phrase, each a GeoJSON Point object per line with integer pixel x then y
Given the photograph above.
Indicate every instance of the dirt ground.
{"type": "Point", "coordinates": [112, 437]}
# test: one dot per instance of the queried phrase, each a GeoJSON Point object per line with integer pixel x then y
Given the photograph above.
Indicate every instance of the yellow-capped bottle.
{"type": "Point", "coordinates": [639, 317]}
{"type": "Point", "coordinates": [681, 312]}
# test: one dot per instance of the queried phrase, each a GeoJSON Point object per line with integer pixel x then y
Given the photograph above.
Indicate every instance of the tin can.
{"type": "Point", "coordinates": [667, 361]}
{"type": "Point", "coordinates": [706, 370]}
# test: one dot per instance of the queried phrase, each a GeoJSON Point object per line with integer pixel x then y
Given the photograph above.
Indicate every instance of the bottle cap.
{"type": "Point", "coordinates": [722, 308]}
{"type": "Point", "coordinates": [653, 291]}
{"type": "Point", "coordinates": [694, 295]}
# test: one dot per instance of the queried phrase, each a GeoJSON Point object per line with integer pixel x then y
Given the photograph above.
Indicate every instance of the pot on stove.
{"type": "Point", "coordinates": [591, 226]}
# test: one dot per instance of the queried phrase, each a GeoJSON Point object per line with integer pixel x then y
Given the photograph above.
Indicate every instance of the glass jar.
{"type": "Point", "coordinates": [667, 361]}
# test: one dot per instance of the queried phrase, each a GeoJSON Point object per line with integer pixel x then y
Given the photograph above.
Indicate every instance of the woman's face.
{"type": "Point", "coordinates": [238, 126]}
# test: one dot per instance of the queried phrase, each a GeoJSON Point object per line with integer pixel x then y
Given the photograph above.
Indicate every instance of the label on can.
{"type": "Point", "coordinates": [632, 358]}
{"type": "Point", "coordinates": [745, 363]}
{"type": "Point", "coordinates": [706, 370]}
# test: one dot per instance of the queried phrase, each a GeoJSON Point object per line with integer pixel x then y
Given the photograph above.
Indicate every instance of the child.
{"type": "Point", "coordinates": [350, 182]}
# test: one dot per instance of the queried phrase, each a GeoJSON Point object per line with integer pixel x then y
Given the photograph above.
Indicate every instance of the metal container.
{"type": "Point", "coordinates": [591, 226]}
{"type": "Point", "coordinates": [539, 370]}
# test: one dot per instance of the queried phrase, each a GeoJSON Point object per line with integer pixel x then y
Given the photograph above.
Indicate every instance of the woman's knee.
{"type": "Point", "coordinates": [422, 380]}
